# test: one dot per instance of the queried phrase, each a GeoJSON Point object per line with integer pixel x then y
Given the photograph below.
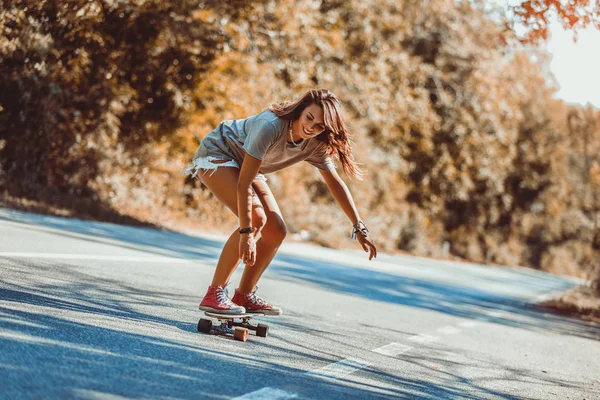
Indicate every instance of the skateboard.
{"type": "Point", "coordinates": [237, 325]}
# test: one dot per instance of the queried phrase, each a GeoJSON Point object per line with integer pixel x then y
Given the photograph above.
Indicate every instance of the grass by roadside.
{"type": "Point", "coordinates": [582, 302]}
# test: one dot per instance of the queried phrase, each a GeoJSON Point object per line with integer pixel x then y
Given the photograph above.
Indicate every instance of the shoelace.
{"type": "Point", "coordinates": [222, 296]}
{"type": "Point", "coordinates": [256, 300]}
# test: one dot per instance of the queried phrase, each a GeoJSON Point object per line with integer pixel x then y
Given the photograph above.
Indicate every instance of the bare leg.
{"type": "Point", "coordinates": [223, 184]}
{"type": "Point", "coordinates": [265, 252]}
{"type": "Point", "coordinates": [228, 261]}
{"type": "Point", "coordinates": [273, 234]}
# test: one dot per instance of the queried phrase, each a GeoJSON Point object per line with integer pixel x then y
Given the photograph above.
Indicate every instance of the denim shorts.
{"type": "Point", "coordinates": [212, 163]}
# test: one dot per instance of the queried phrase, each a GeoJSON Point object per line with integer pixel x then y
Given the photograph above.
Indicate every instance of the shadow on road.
{"type": "Point", "coordinates": [163, 243]}
{"type": "Point", "coordinates": [81, 335]}
{"type": "Point", "coordinates": [49, 357]}
{"type": "Point", "coordinates": [465, 301]}
{"type": "Point", "coordinates": [461, 301]}
{"type": "Point", "coordinates": [89, 339]}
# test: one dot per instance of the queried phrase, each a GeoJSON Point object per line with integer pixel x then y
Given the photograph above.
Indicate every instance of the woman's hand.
{"type": "Point", "coordinates": [367, 245]}
{"type": "Point", "coordinates": [247, 249]}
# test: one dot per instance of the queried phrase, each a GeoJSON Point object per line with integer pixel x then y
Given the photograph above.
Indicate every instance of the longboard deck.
{"type": "Point", "coordinates": [230, 316]}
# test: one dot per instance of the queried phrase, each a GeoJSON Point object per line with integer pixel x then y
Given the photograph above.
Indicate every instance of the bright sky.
{"type": "Point", "coordinates": [576, 66]}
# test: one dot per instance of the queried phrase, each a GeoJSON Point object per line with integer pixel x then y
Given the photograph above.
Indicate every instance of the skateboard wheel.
{"type": "Point", "coordinates": [262, 330]}
{"type": "Point", "coordinates": [204, 325]}
{"type": "Point", "coordinates": [240, 334]}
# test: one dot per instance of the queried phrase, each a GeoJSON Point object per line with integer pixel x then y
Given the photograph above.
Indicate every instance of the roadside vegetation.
{"type": "Point", "coordinates": [467, 154]}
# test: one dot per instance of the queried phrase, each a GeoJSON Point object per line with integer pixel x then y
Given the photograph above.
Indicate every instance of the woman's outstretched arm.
{"type": "Point", "coordinates": [341, 193]}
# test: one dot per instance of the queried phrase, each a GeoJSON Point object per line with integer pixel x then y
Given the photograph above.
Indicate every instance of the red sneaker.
{"type": "Point", "coordinates": [216, 301]}
{"type": "Point", "coordinates": [255, 304]}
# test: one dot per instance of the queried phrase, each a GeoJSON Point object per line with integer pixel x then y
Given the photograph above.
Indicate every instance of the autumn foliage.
{"type": "Point", "coordinates": [536, 15]}
{"type": "Point", "coordinates": [83, 84]}
{"type": "Point", "coordinates": [466, 152]}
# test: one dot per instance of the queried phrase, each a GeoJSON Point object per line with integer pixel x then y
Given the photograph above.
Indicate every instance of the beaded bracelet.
{"type": "Point", "coordinates": [359, 227]}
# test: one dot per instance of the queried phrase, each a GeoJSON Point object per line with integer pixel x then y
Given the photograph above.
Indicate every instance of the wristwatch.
{"type": "Point", "coordinates": [245, 230]}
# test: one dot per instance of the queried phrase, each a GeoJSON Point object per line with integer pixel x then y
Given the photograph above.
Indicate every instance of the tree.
{"type": "Point", "coordinates": [81, 78]}
{"type": "Point", "coordinates": [535, 16]}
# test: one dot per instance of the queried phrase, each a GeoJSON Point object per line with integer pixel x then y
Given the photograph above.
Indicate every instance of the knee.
{"type": "Point", "coordinates": [259, 219]}
{"type": "Point", "coordinates": [274, 231]}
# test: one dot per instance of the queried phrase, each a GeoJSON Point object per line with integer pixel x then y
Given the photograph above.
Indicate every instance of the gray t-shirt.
{"type": "Point", "coordinates": [263, 136]}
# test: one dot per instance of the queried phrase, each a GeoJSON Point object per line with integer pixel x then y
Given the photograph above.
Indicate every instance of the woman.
{"type": "Point", "coordinates": [231, 161]}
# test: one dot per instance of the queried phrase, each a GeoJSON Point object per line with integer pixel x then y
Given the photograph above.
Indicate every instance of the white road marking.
{"type": "Point", "coordinates": [339, 369]}
{"type": "Point", "coordinates": [268, 393]}
{"type": "Point", "coordinates": [65, 256]}
{"type": "Point", "coordinates": [422, 338]}
{"type": "Point", "coordinates": [392, 349]}
{"type": "Point", "coordinates": [496, 314]}
{"type": "Point", "coordinates": [448, 330]}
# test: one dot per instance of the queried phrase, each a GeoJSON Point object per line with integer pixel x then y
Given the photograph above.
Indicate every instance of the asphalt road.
{"type": "Point", "coordinates": [99, 311]}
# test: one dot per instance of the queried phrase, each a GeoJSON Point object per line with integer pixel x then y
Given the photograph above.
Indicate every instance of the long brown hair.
{"type": "Point", "coordinates": [335, 135]}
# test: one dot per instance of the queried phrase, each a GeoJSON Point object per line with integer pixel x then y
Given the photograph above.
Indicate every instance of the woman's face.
{"type": "Point", "coordinates": [310, 123]}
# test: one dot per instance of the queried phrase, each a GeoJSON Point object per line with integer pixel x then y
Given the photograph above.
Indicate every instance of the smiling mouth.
{"type": "Point", "coordinates": [305, 132]}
